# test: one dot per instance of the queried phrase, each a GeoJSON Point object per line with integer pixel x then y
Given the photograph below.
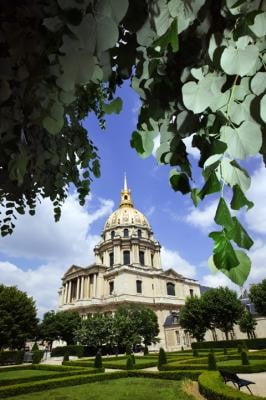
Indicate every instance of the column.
{"type": "Point", "coordinates": [69, 292]}
{"type": "Point", "coordinates": [78, 288]}
{"type": "Point", "coordinates": [82, 288]}
{"type": "Point", "coordinates": [95, 285]}
{"type": "Point", "coordinates": [148, 257]}
{"type": "Point", "coordinates": [90, 294]}
{"type": "Point", "coordinates": [135, 254]}
{"type": "Point", "coordinates": [100, 288]}
{"type": "Point", "coordinates": [117, 256]}
{"type": "Point", "coordinates": [65, 292]}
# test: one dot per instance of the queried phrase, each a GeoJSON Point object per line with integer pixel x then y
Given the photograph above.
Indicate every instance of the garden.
{"type": "Point", "coordinates": [136, 376]}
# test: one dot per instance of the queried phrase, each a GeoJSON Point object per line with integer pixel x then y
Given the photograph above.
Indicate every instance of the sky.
{"type": "Point", "coordinates": [35, 257]}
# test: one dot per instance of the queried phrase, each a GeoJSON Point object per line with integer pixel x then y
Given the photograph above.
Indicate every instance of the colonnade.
{"type": "Point", "coordinates": [79, 288]}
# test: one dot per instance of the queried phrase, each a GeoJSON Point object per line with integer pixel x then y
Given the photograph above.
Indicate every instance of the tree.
{"type": "Point", "coordinates": [257, 295]}
{"type": "Point", "coordinates": [247, 324]}
{"type": "Point", "coordinates": [223, 308]}
{"type": "Point", "coordinates": [96, 331]}
{"type": "Point", "coordinates": [197, 68]}
{"type": "Point", "coordinates": [61, 325]}
{"type": "Point", "coordinates": [18, 319]}
{"type": "Point", "coordinates": [146, 323]}
{"type": "Point", "coordinates": [193, 318]}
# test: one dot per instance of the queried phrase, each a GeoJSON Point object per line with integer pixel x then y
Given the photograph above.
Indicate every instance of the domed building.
{"type": "Point", "coordinates": [128, 270]}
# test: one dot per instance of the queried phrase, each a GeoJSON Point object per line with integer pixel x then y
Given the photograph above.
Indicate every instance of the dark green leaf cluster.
{"type": "Point", "coordinates": [257, 295]}
{"type": "Point", "coordinates": [216, 308]}
{"type": "Point", "coordinates": [18, 318]}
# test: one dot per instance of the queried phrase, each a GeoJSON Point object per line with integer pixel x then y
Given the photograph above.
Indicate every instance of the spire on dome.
{"type": "Point", "coordinates": [125, 195]}
{"type": "Point", "coordinates": [125, 181]}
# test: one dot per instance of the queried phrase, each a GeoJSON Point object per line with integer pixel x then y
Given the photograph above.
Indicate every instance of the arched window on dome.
{"type": "Point", "coordinates": [126, 257]}
{"type": "Point", "coordinates": [125, 197]}
{"type": "Point", "coordinates": [139, 233]}
{"type": "Point", "coordinates": [126, 232]}
{"type": "Point", "coordinates": [170, 289]}
{"type": "Point", "coordinates": [112, 234]}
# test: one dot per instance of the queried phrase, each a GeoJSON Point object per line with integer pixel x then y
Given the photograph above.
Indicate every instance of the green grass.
{"type": "Point", "coordinates": [238, 362]}
{"type": "Point", "coordinates": [23, 373]}
{"type": "Point", "coordinates": [120, 389]}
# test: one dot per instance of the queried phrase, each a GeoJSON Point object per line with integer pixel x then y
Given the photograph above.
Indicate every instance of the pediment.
{"type": "Point", "coordinates": [171, 273]}
{"type": "Point", "coordinates": [72, 269]}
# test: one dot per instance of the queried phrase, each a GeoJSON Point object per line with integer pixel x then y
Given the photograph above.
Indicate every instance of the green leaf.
{"type": "Point", "coordinates": [199, 96]}
{"type": "Point", "coordinates": [212, 185]}
{"type": "Point", "coordinates": [179, 181]}
{"type": "Point", "coordinates": [169, 38]}
{"type": "Point", "coordinates": [195, 196]}
{"type": "Point", "coordinates": [143, 142]}
{"type": "Point", "coordinates": [238, 274]}
{"type": "Point", "coordinates": [259, 25]}
{"type": "Point", "coordinates": [107, 33]}
{"type": "Point", "coordinates": [224, 256]}
{"type": "Point", "coordinates": [85, 33]}
{"type": "Point", "coordinates": [239, 200]}
{"type": "Point", "coordinates": [233, 174]}
{"type": "Point", "coordinates": [114, 107]}
{"type": "Point", "coordinates": [263, 108]}
{"type": "Point", "coordinates": [223, 216]}
{"type": "Point", "coordinates": [242, 142]}
{"type": "Point", "coordinates": [239, 61]}
{"type": "Point", "coordinates": [258, 83]}
{"type": "Point", "coordinates": [239, 235]}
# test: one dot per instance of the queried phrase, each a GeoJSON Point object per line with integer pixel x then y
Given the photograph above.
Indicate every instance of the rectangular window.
{"type": "Point", "coordinates": [111, 255]}
{"type": "Point", "coordinates": [111, 287]}
{"type": "Point", "coordinates": [141, 257]}
{"type": "Point", "coordinates": [170, 289]}
{"type": "Point", "coordinates": [139, 286]}
{"type": "Point", "coordinates": [191, 292]}
{"type": "Point", "coordinates": [126, 256]}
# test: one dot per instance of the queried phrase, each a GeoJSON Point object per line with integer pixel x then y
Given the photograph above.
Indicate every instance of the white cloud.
{"type": "Point", "coordinates": [58, 245]}
{"type": "Point", "coordinates": [193, 151]}
{"type": "Point", "coordinates": [202, 217]}
{"type": "Point", "coordinates": [256, 217]}
{"type": "Point", "coordinates": [39, 237]}
{"type": "Point", "coordinates": [218, 279]}
{"type": "Point", "coordinates": [150, 211]}
{"type": "Point", "coordinates": [172, 259]}
{"type": "Point", "coordinates": [258, 256]}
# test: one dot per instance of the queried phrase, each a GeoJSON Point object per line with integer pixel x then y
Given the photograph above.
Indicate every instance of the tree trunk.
{"type": "Point", "coordinates": [226, 335]}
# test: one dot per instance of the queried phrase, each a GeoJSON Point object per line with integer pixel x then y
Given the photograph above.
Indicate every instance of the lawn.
{"type": "Point", "coordinates": [238, 362]}
{"type": "Point", "coordinates": [120, 389]}
{"type": "Point", "coordinates": [24, 373]}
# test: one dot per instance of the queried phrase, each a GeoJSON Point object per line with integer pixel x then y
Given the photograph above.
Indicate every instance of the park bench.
{"type": "Point", "coordinates": [231, 377]}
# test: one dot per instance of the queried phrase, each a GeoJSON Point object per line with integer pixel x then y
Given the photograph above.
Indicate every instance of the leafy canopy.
{"type": "Point", "coordinates": [60, 325]}
{"type": "Point", "coordinates": [198, 68]}
{"type": "Point", "coordinates": [18, 319]}
{"type": "Point", "coordinates": [257, 295]}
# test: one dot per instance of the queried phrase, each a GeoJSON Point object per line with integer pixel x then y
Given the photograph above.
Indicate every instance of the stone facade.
{"type": "Point", "coordinates": [128, 269]}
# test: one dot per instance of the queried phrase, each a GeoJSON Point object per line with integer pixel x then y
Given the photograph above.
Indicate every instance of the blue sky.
{"type": "Point", "coordinates": [38, 253]}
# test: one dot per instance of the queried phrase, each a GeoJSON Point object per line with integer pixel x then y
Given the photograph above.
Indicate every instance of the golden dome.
{"type": "Point", "coordinates": [126, 214]}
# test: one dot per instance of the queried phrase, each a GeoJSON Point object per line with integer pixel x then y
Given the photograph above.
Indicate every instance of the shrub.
{"type": "Point", "coordinates": [11, 357]}
{"type": "Point", "coordinates": [66, 356]}
{"type": "Point", "coordinates": [162, 359]}
{"type": "Point", "coordinates": [35, 347]}
{"type": "Point", "coordinates": [225, 351]}
{"type": "Point", "coordinates": [130, 362]}
{"type": "Point", "coordinates": [212, 361]}
{"type": "Point", "coordinates": [37, 356]}
{"type": "Point", "coordinates": [244, 358]}
{"type": "Point", "coordinates": [72, 350]}
{"type": "Point", "coordinates": [212, 387]}
{"type": "Point", "coordinates": [256, 344]}
{"type": "Point", "coordinates": [133, 359]}
{"type": "Point", "coordinates": [98, 361]}
{"type": "Point", "coordinates": [173, 375]}
{"type": "Point", "coordinates": [195, 353]}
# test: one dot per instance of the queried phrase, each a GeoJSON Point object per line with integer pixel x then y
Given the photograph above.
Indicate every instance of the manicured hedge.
{"type": "Point", "coordinates": [11, 357]}
{"type": "Point", "coordinates": [84, 364]}
{"type": "Point", "coordinates": [182, 367]}
{"type": "Point", "coordinates": [177, 375]}
{"type": "Point", "coordinates": [256, 344]}
{"type": "Point", "coordinates": [111, 365]}
{"type": "Point", "coordinates": [30, 387]}
{"type": "Point", "coordinates": [204, 360]}
{"type": "Point", "coordinates": [71, 350]}
{"type": "Point", "coordinates": [212, 387]}
{"type": "Point", "coordinates": [244, 369]}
